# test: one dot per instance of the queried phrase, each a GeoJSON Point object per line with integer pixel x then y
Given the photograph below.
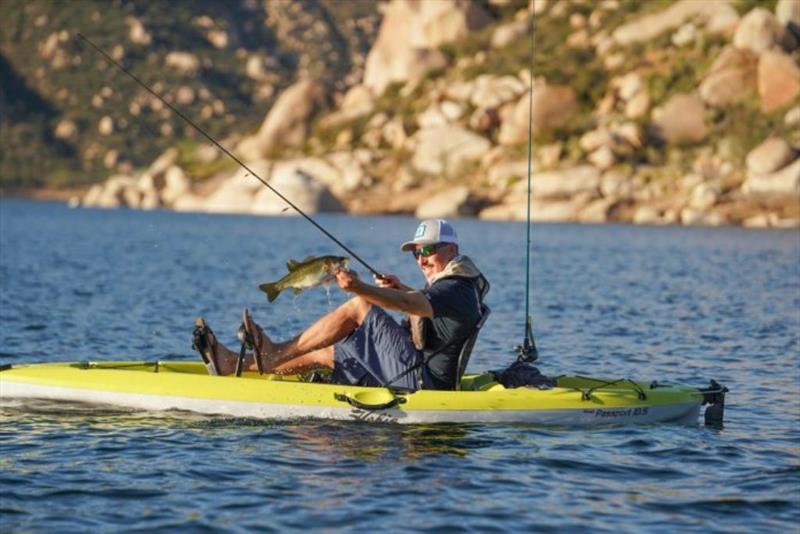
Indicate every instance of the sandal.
{"type": "Point", "coordinates": [205, 342]}
{"type": "Point", "coordinates": [253, 335]}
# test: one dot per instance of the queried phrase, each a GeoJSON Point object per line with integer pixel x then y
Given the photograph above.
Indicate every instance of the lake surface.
{"type": "Point", "coordinates": [676, 304]}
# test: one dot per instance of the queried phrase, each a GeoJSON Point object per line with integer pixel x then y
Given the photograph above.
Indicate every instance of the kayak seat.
{"type": "Point", "coordinates": [466, 349]}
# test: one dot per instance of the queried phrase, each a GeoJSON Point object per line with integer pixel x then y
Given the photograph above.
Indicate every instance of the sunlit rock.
{"type": "Point", "coordinates": [778, 80]}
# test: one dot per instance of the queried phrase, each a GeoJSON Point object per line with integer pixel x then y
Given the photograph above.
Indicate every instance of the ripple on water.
{"type": "Point", "coordinates": [672, 304]}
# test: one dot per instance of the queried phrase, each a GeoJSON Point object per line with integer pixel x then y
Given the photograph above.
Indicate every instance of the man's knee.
{"type": "Point", "coordinates": [357, 309]}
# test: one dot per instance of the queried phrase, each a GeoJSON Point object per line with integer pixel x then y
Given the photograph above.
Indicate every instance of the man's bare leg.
{"type": "Point", "coordinates": [307, 362]}
{"type": "Point", "coordinates": [315, 342]}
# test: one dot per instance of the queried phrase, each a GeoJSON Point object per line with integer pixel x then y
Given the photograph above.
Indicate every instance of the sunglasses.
{"type": "Point", "coordinates": [427, 250]}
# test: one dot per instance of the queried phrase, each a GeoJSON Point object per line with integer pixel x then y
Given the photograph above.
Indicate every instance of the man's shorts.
{"type": "Point", "coordinates": [377, 352]}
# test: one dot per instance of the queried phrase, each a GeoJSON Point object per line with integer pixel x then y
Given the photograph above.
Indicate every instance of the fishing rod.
{"type": "Point", "coordinates": [527, 351]}
{"type": "Point", "coordinates": [229, 154]}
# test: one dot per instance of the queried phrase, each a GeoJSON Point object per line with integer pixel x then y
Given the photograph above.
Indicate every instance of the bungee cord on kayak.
{"type": "Point", "coordinates": [230, 155]}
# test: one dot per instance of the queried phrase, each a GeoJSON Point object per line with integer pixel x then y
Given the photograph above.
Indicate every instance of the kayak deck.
{"type": "Point", "coordinates": [177, 385]}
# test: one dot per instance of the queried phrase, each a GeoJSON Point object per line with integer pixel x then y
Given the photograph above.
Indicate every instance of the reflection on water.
{"type": "Point", "coordinates": [347, 440]}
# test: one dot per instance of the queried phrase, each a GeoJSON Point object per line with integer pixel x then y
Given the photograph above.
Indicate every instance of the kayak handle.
{"type": "Point", "coordinates": [355, 403]}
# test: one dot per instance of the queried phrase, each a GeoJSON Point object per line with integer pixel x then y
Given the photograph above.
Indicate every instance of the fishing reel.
{"type": "Point", "coordinates": [527, 352]}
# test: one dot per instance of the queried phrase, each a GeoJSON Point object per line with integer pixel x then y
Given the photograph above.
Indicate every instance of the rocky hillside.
{"type": "Point", "coordinates": [655, 112]}
{"type": "Point", "coordinates": [70, 118]}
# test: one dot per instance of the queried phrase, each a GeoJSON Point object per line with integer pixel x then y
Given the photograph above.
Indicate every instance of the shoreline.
{"type": "Point", "coordinates": [49, 194]}
{"type": "Point", "coordinates": [43, 193]}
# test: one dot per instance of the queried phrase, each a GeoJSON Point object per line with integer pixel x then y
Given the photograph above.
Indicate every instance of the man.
{"type": "Point", "coordinates": [361, 342]}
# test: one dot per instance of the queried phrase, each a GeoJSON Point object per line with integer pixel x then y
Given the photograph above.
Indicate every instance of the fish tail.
{"type": "Point", "coordinates": [271, 290]}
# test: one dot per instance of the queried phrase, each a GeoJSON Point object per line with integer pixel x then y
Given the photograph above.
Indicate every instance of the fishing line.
{"type": "Point", "coordinates": [528, 351]}
{"type": "Point", "coordinates": [230, 155]}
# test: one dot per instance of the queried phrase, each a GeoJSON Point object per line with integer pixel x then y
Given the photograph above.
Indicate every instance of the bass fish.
{"type": "Point", "coordinates": [304, 274]}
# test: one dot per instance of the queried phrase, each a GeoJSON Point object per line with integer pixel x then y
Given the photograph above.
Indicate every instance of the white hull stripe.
{"type": "Point", "coordinates": [685, 413]}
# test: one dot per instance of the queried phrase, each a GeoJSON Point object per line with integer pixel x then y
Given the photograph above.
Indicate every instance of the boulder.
{"type": "Point", "coordinates": [638, 105]}
{"type": "Point", "coordinates": [771, 155]}
{"type": "Point", "coordinates": [788, 14]}
{"type": "Point", "coordinates": [163, 162]}
{"type": "Point", "coordinates": [105, 126]}
{"type": "Point", "coordinates": [719, 16]}
{"type": "Point", "coordinates": [357, 102]}
{"type": "Point", "coordinates": [89, 200]}
{"type": "Point", "coordinates": [136, 31]}
{"type": "Point", "coordinates": [647, 215]}
{"type": "Point", "coordinates": [66, 130]}
{"type": "Point", "coordinates": [594, 139]}
{"type": "Point", "coordinates": [447, 150]}
{"type": "Point", "coordinates": [616, 184]}
{"type": "Point", "coordinates": [502, 175]}
{"type": "Point", "coordinates": [553, 107]}
{"type": "Point", "coordinates": [319, 169]}
{"type": "Point", "coordinates": [505, 212]}
{"type": "Point", "coordinates": [758, 31]}
{"type": "Point", "coordinates": [350, 165]}
{"type": "Point", "coordinates": [602, 158]}
{"type": "Point", "coordinates": [258, 67]}
{"type": "Point", "coordinates": [149, 201]}
{"type": "Point", "coordinates": [686, 34]}
{"type": "Point", "coordinates": [681, 120]}
{"type": "Point", "coordinates": [792, 118]}
{"type": "Point", "coordinates": [432, 117]}
{"type": "Point", "coordinates": [176, 184]}
{"type": "Point", "coordinates": [394, 133]}
{"type": "Point", "coordinates": [584, 179]}
{"type": "Point", "coordinates": [549, 155]}
{"type": "Point", "coordinates": [287, 122]}
{"type": "Point", "coordinates": [691, 216]}
{"type": "Point", "coordinates": [235, 194]}
{"type": "Point", "coordinates": [784, 182]}
{"type": "Point", "coordinates": [556, 210]}
{"type": "Point", "coordinates": [757, 221]}
{"type": "Point", "coordinates": [189, 202]}
{"type": "Point", "coordinates": [118, 191]}
{"type": "Point", "coordinates": [778, 80]}
{"type": "Point", "coordinates": [493, 91]}
{"type": "Point", "coordinates": [218, 38]}
{"type": "Point", "coordinates": [547, 211]}
{"type": "Point", "coordinates": [453, 202]}
{"type": "Point", "coordinates": [630, 133]}
{"type": "Point", "coordinates": [410, 34]}
{"type": "Point", "coordinates": [185, 63]}
{"type": "Point", "coordinates": [505, 34]}
{"type": "Point", "coordinates": [731, 78]}
{"type": "Point", "coordinates": [302, 189]}
{"type": "Point", "coordinates": [597, 211]}
{"type": "Point", "coordinates": [184, 96]}
{"type": "Point", "coordinates": [539, 6]}
{"type": "Point", "coordinates": [704, 196]}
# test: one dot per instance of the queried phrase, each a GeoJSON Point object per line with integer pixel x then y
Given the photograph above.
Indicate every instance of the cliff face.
{"type": "Point", "coordinates": [647, 112]}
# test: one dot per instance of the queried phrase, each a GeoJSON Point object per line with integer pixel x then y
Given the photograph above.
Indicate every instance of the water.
{"type": "Point", "coordinates": [678, 304]}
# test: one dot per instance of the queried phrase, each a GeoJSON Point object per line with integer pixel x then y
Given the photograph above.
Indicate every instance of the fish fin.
{"type": "Point", "coordinates": [271, 290]}
{"type": "Point", "coordinates": [291, 265]}
{"type": "Point", "coordinates": [296, 290]}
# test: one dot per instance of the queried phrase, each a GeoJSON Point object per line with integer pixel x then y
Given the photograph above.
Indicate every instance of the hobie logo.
{"type": "Point", "coordinates": [420, 231]}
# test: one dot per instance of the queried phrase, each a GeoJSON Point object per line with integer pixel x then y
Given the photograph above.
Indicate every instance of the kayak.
{"type": "Point", "coordinates": [575, 402]}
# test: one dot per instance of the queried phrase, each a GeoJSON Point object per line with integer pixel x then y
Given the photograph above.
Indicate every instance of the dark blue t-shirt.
{"type": "Point", "coordinates": [456, 310]}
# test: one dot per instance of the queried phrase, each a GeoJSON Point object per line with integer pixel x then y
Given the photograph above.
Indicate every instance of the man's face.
{"type": "Point", "coordinates": [432, 259]}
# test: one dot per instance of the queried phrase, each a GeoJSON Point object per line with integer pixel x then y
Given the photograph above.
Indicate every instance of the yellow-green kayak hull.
{"type": "Point", "coordinates": [177, 385]}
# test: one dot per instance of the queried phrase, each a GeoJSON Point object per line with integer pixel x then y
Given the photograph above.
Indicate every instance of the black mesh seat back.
{"type": "Point", "coordinates": [466, 348]}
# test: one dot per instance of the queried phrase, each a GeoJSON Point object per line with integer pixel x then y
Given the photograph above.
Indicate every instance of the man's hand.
{"type": "Point", "coordinates": [387, 280]}
{"type": "Point", "coordinates": [348, 280]}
